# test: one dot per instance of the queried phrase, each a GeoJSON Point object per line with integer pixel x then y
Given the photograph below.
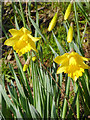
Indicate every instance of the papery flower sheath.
{"type": "Point", "coordinates": [71, 63]}
{"type": "Point", "coordinates": [22, 41]}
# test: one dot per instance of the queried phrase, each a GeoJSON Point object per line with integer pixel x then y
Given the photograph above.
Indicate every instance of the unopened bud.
{"type": "Point", "coordinates": [68, 10]}
{"type": "Point", "coordinates": [70, 33]}
{"type": "Point", "coordinates": [25, 67]}
{"type": "Point", "coordinates": [33, 58]}
{"type": "Point", "coordinates": [53, 22]}
{"type": "Point", "coordinates": [26, 64]}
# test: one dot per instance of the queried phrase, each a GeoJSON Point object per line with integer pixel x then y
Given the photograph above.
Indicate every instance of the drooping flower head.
{"type": "Point", "coordinates": [71, 63]}
{"type": "Point", "coordinates": [21, 40]}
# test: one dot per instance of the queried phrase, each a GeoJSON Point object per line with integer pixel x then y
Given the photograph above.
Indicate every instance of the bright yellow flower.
{"type": "Point", "coordinates": [71, 63]}
{"type": "Point", "coordinates": [21, 40]}
{"type": "Point", "coordinates": [70, 33]}
{"type": "Point", "coordinates": [53, 22]}
{"type": "Point", "coordinates": [68, 10]}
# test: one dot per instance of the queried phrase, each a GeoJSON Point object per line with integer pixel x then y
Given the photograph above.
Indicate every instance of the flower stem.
{"type": "Point", "coordinates": [22, 13]}
{"type": "Point", "coordinates": [77, 102]}
{"type": "Point", "coordinates": [65, 101]}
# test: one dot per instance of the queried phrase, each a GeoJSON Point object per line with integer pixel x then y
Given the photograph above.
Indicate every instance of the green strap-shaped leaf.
{"type": "Point", "coordinates": [37, 28]}
{"type": "Point", "coordinates": [23, 76]}
{"type": "Point", "coordinates": [58, 44]}
{"type": "Point", "coordinates": [17, 81]}
{"type": "Point", "coordinates": [34, 113]}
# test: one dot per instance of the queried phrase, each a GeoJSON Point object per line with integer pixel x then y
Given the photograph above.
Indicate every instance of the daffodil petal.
{"type": "Point", "coordinates": [14, 32]}
{"type": "Point", "coordinates": [11, 41]}
{"type": "Point", "coordinates": [61, 69]}
{"type": "Point", "coordinates": [34, 38]}
{"type": "Point", "coordinates": [85, 59]}
{"type": "Point", "coordinates": [32, 44]}
{"type": "Point", "coordinates": [24, 30]}
{"type": "Point", "coordinates": [59, 59]}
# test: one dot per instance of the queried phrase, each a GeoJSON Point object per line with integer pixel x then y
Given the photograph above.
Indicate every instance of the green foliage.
{"type": "Point", "coordinates": [51, 94]}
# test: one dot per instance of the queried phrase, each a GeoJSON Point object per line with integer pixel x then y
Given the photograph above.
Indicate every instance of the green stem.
{"type": "Point", "coordinates": [77, 102]}
{"type": "Point", "coordinates": [22, 13]}
{"type": "Point", "coordinates": [65, 102]}
{"type": "Point", "coordinates": [78, 32]}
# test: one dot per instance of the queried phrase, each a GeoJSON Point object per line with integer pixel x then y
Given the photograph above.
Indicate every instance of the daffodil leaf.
{"type": "Point", "coordinates": [17, 82]}
{"type": "Point", "coordinates": [76, 48]}
{"type": "Point", "coordinates": [58, 44]}
{"type": "Point", "coordinates": [37, 28]}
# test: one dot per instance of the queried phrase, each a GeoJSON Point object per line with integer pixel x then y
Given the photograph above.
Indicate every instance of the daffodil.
{"type": "Point", "coordinates": [22, 41]}
{"type": "Point", "coordinates": [71, 63]}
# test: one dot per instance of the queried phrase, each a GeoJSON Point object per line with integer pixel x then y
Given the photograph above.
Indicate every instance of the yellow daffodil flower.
{"type": "Point", "coordinates": [68, 10]}
{"type": "Point", "coordinates": [52, 23]}
{"type": "Point", "coordinates": [21, 40]}
{"type": "Point", "coordinates": [70, 33]}
{"type": "Point", "coordinates": [71, 63]}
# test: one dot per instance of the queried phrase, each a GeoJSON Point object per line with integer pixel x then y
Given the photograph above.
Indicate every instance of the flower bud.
{"type": "Point", "coordinates": [70, 33]}
{"type": "Point", "coordinates": [68, 10]}
{"type": "Point", "coordinates": [25, 67]}
{"type": "Point", "coordinates": [53, 22]}
{"type": "Point", "coordinates": [26, 64]}
{"type": "Point", "coordinates": [33, 58]}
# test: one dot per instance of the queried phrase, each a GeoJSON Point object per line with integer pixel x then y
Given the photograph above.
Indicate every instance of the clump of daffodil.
{"type": "Point", "coordinates": [53, 22]}
{"type": "Point", "coordinates": [26, 64]}
{"type": "Point", "coordinates": [71, 63]}
{"type": "Point", "coordinates": [34, 58]}
{"type": "Point", "coordinates": [70, 33]}
{"type": "Point", "coordinates": [21, 40]}
{"type": "Point", "coordinates": [68, 11]}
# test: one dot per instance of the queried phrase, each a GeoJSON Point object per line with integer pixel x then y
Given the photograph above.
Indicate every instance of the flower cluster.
{"type": "Point", "coordinates": [71, 63]}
